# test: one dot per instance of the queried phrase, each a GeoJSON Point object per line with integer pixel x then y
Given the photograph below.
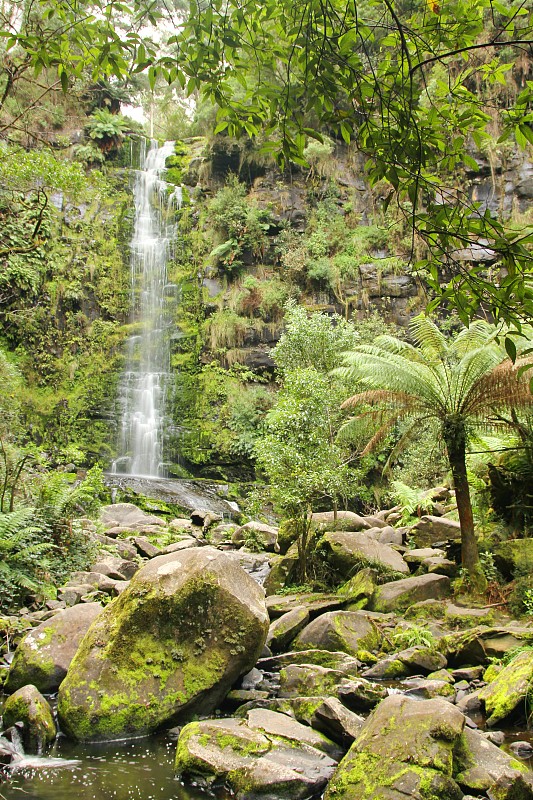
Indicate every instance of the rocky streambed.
{"type": "Point", "coordinates": [271, 697]}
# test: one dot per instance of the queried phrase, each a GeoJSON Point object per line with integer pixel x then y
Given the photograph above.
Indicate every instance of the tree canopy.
{"type": "Point", "coordinates": [418, 88]}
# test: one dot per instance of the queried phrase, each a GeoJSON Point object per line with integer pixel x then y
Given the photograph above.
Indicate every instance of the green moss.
{"type": "Point", "coordinates": [368, 774]}
{"type": "Point", "coordinates": [509, 688]}
{"type": "Point", "coordinates": [239, 745]}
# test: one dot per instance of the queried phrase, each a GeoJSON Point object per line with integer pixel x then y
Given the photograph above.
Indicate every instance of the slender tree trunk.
{"type": "Point", "coordinates": [455, 438]}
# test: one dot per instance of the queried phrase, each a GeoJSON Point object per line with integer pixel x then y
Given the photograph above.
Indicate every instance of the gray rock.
{"type": "Point", "coordinates": [122, 547]}
{"type": "Point", "coordinates": [127, 515]}
{"type": "Point", "coordinates": [355, 521]}
{"type": "Point", "coordinates": [272, 723]}
{"type": "Point", "coordinates": [405, 749]}
{"type": "Point", "coordinates": [322, 658]}
{"type": "Point", "coordinates": [264, 535]}
{"type": "Point", "coordinates": [285, 628]}
{"type": "Point", "coordinates": [431, 529]}
{"type": "Point", "coordinates": [204, 518]}
{"type": "Point", "coordinates": [345, 631]}
{"type": "Point", "coordinates": [44, 654]}
{"type": "Point", "coordinates": [508, 689]}
{"type": "Point", "coordinates": [386, 535]}
{"type": "Point", "coordinates": [348, 552]}
{"type": "Point", "coordinates": [398, 595]}
{"type": "Point", "coordinates": [145, 548]}
{"type": "Point", "coordinates": [316, 604]}
{"type": "Point", "coordinates": [117, 568]}
{"type": "Point", "coordinates": [27, 705]}
{"type": "Point", "coordinates": [336, 721]}
{"type": "Point", "coordinates": [255, 765]}
{"type": "Point", "coordinates": [483, 764]}
{"type": "Point", "coordinates": [183, 544]}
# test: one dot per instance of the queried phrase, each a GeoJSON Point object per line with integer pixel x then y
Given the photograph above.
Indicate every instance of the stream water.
{"type": "Point", "coordinates": [146, 379]}
{"type": "Point", "coordinates": [138, 770]}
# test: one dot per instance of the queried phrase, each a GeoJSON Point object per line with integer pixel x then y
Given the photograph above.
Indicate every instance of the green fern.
{"type": "Point", "coordinates": [23, 556]}
{"type": "Point", "coordinates": [413, 501]}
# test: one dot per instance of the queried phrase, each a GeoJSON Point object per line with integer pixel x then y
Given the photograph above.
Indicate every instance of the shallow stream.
{"type": "Point", "coordinates": [138, 770]}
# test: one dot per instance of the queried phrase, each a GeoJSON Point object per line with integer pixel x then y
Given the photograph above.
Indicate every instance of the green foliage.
{"type": "Point", "coordinates": [41, 544]}
{"type": "Point", "coordinates": [457, 383]}
{"type": "Point", "coordinates": [24, 557]}
{"type": "Point", "coordinates": [88, 154]}
{"type": "Point", "coordinates": [409, 87]}
{"type": "Point", "coordinates": [312, 340]}
{"type": "Point", "coordinates": [239, 227]}
{"type": "Point", "coordinates": [414, 502]}
{"type": "Point", "coordinates": [107, 129]}
{"type": "Point", "coordinates": [413, 636]}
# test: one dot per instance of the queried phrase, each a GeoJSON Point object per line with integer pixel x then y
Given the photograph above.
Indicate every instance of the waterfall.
{"type": "Point", "coordinates": [146, 380]}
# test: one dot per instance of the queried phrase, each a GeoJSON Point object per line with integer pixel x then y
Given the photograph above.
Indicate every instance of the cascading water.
{"type": "Point", "coordinates": [144, 386]}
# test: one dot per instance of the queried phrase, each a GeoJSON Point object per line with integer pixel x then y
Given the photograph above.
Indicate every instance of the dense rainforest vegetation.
{"type": "Point", "coordinates": [345, 168]}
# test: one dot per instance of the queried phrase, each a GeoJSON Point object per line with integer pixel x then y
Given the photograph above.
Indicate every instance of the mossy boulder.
{"type": "Point", "coordinates": [284, 629]}
{"type": "Point", "coordinates": [514, 555]}
{"type": "Point", "coordinates": [271, 760]}
{"type": "Point", "coordinates": [27, 705]}
{"type": "Point", "coordinates": [345, 631]}
{"type": "Point", "coordinates": [482, 766]}
{"type": "Point", "coordinates": [405, 749]}
{"type": "Point", "coordinates": [348, 552]}
{"type": "Point", "coordinates": [283, 569]}
{"type": "Point", "coordinates": [170, 646]}
{"type": "Point", "coordinates": [44, 654]}
{"type": "Point", "coordinates": [356, 592]}
{"type": "Point", "coordinates": [399, 595]}
{"type": "Point", "coordinates": [508, 689]}
{"type": "Point", "coordinates": [306, 680]}
{"type": "Point", "coordinates": [478, 645]}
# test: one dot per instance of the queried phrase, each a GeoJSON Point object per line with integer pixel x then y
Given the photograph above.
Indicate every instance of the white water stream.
{"type": "Point", "coordinates": [146, 380]}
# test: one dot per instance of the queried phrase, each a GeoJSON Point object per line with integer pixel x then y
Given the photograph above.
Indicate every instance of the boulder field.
{"type": "Point", "coordinates": [364, 693]}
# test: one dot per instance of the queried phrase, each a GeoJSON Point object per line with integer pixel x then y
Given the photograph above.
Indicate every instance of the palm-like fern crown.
{"type": "Point", "coordinates": [468, 377]}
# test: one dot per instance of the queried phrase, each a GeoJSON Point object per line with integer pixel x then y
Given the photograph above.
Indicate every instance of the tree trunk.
{"type": "Point", "coordinates": [455, 439]}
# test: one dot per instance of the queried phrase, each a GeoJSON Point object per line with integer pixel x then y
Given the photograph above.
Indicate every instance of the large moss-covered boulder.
{"type": "Point", "coordinates": [170, 646]}
{"type": "Point", "coordinates": [345, 631]}
{"type": "Point", "coordinates": [509, 689]}
{"type": "Point", "coordinates": [347, 552]}
{"type": "Point", "coordinates": [27, 705]}
{"type": "Point", "coordinates": [405, 749]}
{"type": "Point", "coordinates": [44, 654]}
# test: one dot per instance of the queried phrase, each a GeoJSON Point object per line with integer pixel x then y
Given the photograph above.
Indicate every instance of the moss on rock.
{"type": "Point", "coordinates": [173, 643]}
{"type": "Point", "coordinates": [27, 705]}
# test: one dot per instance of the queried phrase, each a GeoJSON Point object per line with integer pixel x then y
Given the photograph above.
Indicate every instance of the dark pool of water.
{"type": "Point", "coordinates": [139, 770]}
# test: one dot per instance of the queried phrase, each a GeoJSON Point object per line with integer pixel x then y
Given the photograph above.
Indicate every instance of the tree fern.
{"type": "Point", "coordinates": [461, 383]}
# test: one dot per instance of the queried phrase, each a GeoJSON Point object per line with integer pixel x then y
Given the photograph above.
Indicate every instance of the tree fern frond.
{"type": "Point", "coordinates": [478, 334]}
{"type": "Point", "coordinates": [428, 337]}
{"type": "Point", "coordinates": [502, 387]}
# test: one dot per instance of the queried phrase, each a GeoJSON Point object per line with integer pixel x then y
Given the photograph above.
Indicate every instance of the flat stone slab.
{"type": "Point", "coordinates": [399, 595]}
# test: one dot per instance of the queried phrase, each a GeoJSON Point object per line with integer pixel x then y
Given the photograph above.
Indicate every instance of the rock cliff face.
{"type": "Point", "coordinates": [383, 281]}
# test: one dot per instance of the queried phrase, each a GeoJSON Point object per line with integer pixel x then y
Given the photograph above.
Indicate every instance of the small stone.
{"type": "Point", "coordinates": [521, 749]}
